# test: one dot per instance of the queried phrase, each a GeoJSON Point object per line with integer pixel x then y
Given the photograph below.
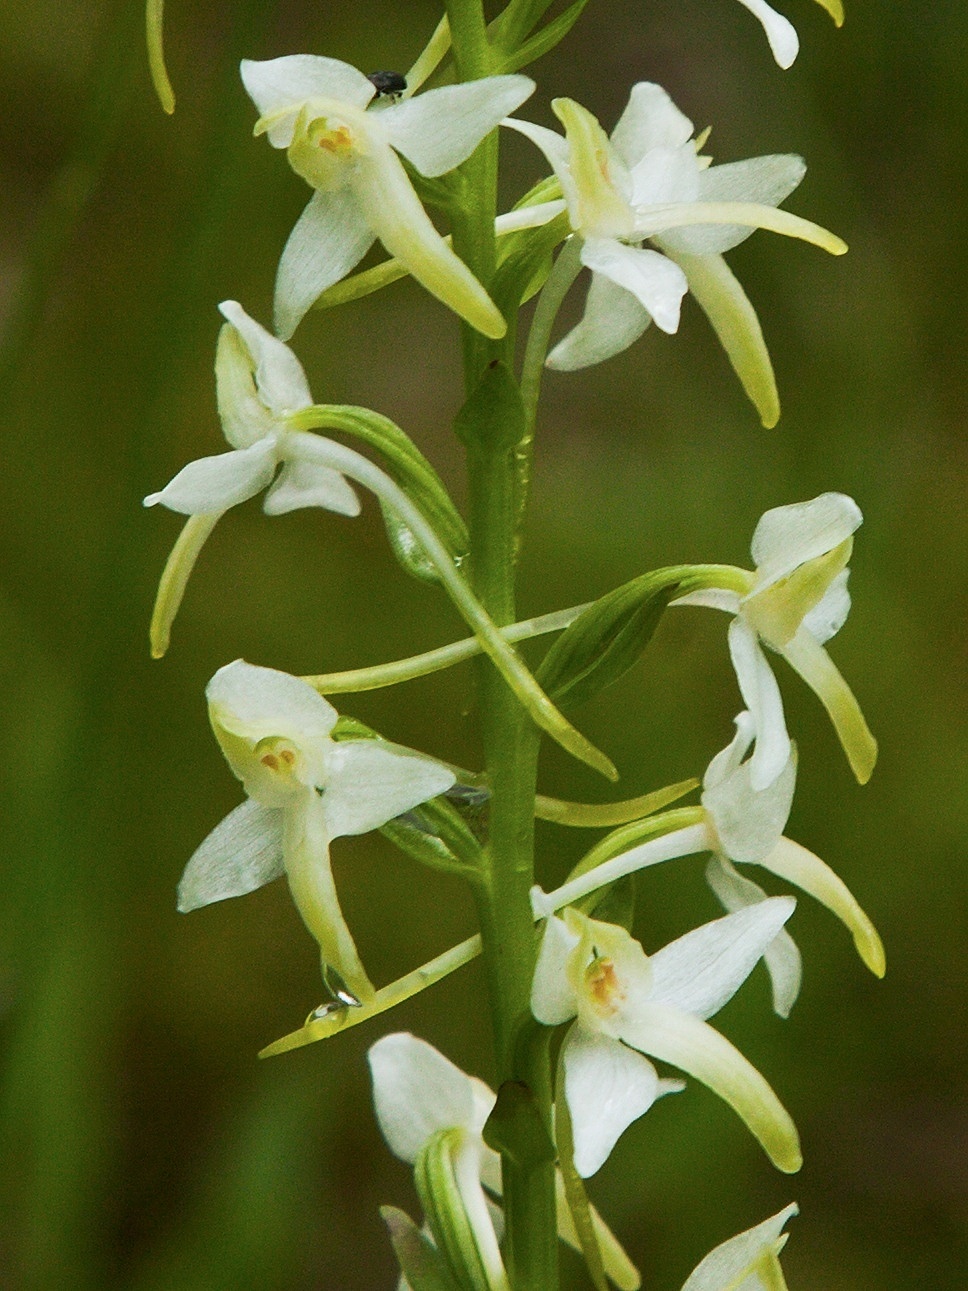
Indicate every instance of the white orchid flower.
{"type": "Point", "coordinates": [343, 140]}
{"type": "Point", "coordinates": [781, 33]}
{"type": "Point", "coordinates": [259, 382]}
{"type": "Point", "coordinates": [795, 600]}
{"type": "Point", "coordinates": [304, 789]}
{"type": "Point", "coordinates": [627, 1004]}
{"type": "Point", "coordinates": [748, 1262]}
{"type": "Point", "coordinates": [648, 182]}
{"type": "Point", "coordinates": [418, 1093]}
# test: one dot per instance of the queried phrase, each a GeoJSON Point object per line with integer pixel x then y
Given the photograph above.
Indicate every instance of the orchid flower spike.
{"type": "Point", "coordinates": [419, 1094]}
{"type": "Point", "coordinates": [343, 139]}
{"type": "Point", "coordinates": [780, 32]}
{"type": "Point", "coordinates": [626, 1004]}
{"type": "Point", "coordinates": [748, 1262]}
{"type": "Point", "coordinates": [259, 381]}
{"type": "Point", "coordinates": [304, 789]}
{"type": "Point", "coordinates": [648, 182]}
{"type": "Point", "coordinates": [795, 600]}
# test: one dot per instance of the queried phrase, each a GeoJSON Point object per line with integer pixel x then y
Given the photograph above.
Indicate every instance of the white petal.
{"type": "Point", "coordinates": [781, 957]}
{"type": "Point", "coordinates": [416, 1092]}
{"type": "Point", "coordinates": [666, 175]}
{"type": "Point", "coordinates": [278, 83]}
{"type": "Point", "coordinates": [650, 120]}
{"type": "Point", "coordinates": [255, 702]}
{"type": "Point", "coordinates": [607, 1087]}
{"type": "Point", "coordinates": [748, 821]}
{"type": "Point", "coordinates": [730, 759]}
{"type": "Point", "coordinates": [613, 320]}
{"type": "Point", "coordinates": [697, 1049]}
{"type": "Point", "coordinates": [787, 537]}
{"type": "Point", "coordinates": [552, 995]}
{"type": "Point", "coordinates": [712, 598]}
{"type": "Point", "coordinates": [245, 418]}
{"type": "Point", "coordinates": [784, 42]}
{"type": "Point", "coordinates": [761, 695]}
{"type": "Point", "coordinates": [241, 854]}
{"type": "Point", "coordinates": [725, 1266]}
{"type": "Point", "coordinates": [305, 484]}
{"type": "Point", "coordinates": [808, 657]}
{"type": "Point", "coordinates": [829, 615]}
{"type": "Point", "coordinates": [279, 375]}
{"type": "Point", "coordinates": [765, 180]}
{"type": "Point", "coordinates": [329, 239]}
{"type": "Point", "coordinates": [655, 281]}
{"type": "Point", "coordinates": [699, 972]}
{"type": "Point", "coordinates": [217, 483]}
{"type": "Point", "coordinates": [369, 782]}
{"type": "Point", "coordinates": [557, 154]}
{"type": "Point", "coordinates": [437, 130]}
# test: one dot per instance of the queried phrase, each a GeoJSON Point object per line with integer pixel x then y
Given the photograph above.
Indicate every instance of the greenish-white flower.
{"type": "Point", "coordinates": [748, 1262]}
{"type": "Point", "coordinates": [343, 140]}
{"type": "Point", "coordinates": [625, 1004]}
{"type": "Point", "coordinates": [794, 601]}
{"type": "Point", "coordinates": [780, 32]}
{"type": "Point", "coordinates": [418, 1093]}
{"type": "Point", "coordinates": [648, 183]}
{"type": "Point", "coordinates": [304, 789]}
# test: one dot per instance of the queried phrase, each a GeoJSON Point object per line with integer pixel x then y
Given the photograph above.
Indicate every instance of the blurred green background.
{"type": "Point", "coordinates": [142, 1144]}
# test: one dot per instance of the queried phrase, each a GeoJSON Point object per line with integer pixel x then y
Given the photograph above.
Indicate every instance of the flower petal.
{"type": "Point", "coordinates": [241, 854]}
{"type": "Point", "coordinates": [416, 1092]}
{"type": "Point", "coordinates": [666, 175]}
{"type": "Point", "coordinates": [657, 283]}
{"type": "Point", "coordinates": [761, 695]}
{"type": "Point", "coordinates": [829, 615]}
{"type": "Point", "coordinates": [748, 821]}
{"type": "Point", "coordinates": [245, 418]}
{"type": "Point", "coordinates": [766, 181]}
{"type": "Point", "coordinates": [608, 1087]}
{"type": "Point", "coordinates": [602, 185]}
{"type": "Point", "coordinates": [552, 995]}
{"type": "Point", "coordinates": [329, 239]}
{"type": "Point", "coordinates": [275, 84]}
{"type": "Point", "coordinates": [700, 1051]}
{"type": "Point", "coordinates": [728, 1264]}
{"type": "Point", "coordinates": [305, 484]}
{"type": "Point", "coordinates": [781, 957]}
{"type": "Point", "coordinates": [794, 863]}
{"type": "Point", "coordinates": [394, 213]}
{"type": "Point", "coordinates": [700, 972]}
{"type": "Point", "coordinates": [279, 375]}
{"type": "Point", "coordinates": [439, 129]}
{"type": "Point", "coordinates": [369, 782]}
{"type": "Point", "coordinates": [612, 321]}
{"type": "Point", "coordinates": [174, 578]}
{"type": "Point", "coordinates": [787, 537]}
{"type": "Point", "coordinates": [781, 34]}
{"type": "Point", "coordinates": [255, 702]}
{"type": "Point", "coordinates": [557, 154]}
{"type": "Point", "coordinates": [217, 483]}
{"type": "Point", "coordinates": [650, 120]}
{"type": "Point", "coordinates": [808, 657]}
{"type": "Point", "coordinates": [651, 221]}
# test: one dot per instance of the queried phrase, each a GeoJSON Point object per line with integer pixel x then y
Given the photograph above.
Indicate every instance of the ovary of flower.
{"type": "Point", "coordinates": [781, 34]}
{"type": "Point", "coordinates": [344, 142]}
{"type": "Point", "coordinates": [418, 1093]}
{"type": "Point", "coordinates": [626, 1004]}
{"type": "Point", "coordinates": [304, 789]}
{"type": "Point", "coordinates": [793, 602]}
{"type": "Point", "coordinates": [749, 1261]}
{"type": "Point", "coordinates": [648, 181]}
{"type": "Point", "coordinates": [259, 381]}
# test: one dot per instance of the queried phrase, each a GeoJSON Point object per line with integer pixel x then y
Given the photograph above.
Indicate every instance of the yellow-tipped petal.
{"type": "Point", "coordinates": [835, 9]}
{"type": "Point", "coordinates": [602, 209]}
{"type": "Point", "coordinates": [175, 576]}
{"type": "Point", "coordinates": [790, 861]}
{"type": "Point", "coordinates": [656, 219]}
{"type": "Point", "coordinates": [154, 32]}
{"type": "Point", "coordinates": [807, 657]}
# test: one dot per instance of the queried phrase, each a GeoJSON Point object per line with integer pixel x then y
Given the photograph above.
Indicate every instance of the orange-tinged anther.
{"type": "Point", "coordinates": [603, 983]}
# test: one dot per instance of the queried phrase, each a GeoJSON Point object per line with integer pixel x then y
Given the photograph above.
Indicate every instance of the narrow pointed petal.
{"type": "Point", "coordinates": [650, 120]}
{"type": "Point", "coordinates": [733, 318]}
{"type": "Point", "coordinates": [765, 181]}
{"type": "Point", "coordinates": [328, 240]}
{"type": "Point", "coordinates": [304, 484]}
{"type": "Point", "coordinates": [416, 1092]}
{"type": "Point", "coordinates": [601, 180]}
{"type": "Point", "coordinates": [781, 34]}
{"type": "Point", "coordinates": [613, 320]}
{"type": "Point", "coordinates": [220, 482]}
{"type": "Point", "coordinates": [700, 972]}
{"type": "Point", "coordinates": [794, 863]}
{"type": "Point", "coordinates": [241, 854]}
{"type": "Point", "coordinates": [557, 153]}
{"type": "Point", "coordinates": [439, 129]}
{"type": "Point", "coordinates": [790, 536]}
{"type": "Point", "coordinates": [275, 84]}
{"type": "Point", "coordinates": [654, 220]}
{"type": "Point", "coordinates": [808, 657]}
{"type": "Point", "coordinates": [657, 283]}
{"type": "Point", "coordinates": [175, 576]}
{"type": "Point", "coordinates": [608, 1087]}
{"type": "Point", "coordinates": [761, 695]}
{"type": "Point", "coordinates": [552, 995]}
{"type": "Point", "coordinates": [255, 702]}
{"type": "Point", "coordinates": [728, 1265]}
{"type": "Point", "coordinates": [781, 957]}
{"type": "Point", "coordinates": [619, 1269]}
{"type": "Point", "coordinates": [394, 213]}
{"type": "Point", "coordinates": [370, 782]}
{"type": "Point", "coordinates": [279, 375]}
{"type": "Point", "coordinates": [306, 850]}
{"type": "Point", "coordinates": [835, 9]}
{"type": "Point", "coordinates": [700, 1051]}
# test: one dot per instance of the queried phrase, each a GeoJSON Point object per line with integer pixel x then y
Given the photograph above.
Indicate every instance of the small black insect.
{"type": "Point", "coordinates": [389, 85]}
